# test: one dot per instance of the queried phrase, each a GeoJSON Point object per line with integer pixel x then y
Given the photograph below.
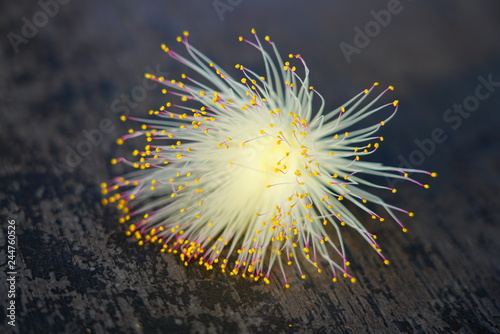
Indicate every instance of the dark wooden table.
{"type": "Point", "coordinates": [78, 273]}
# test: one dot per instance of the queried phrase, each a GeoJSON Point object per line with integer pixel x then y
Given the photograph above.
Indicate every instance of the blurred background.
{"type": "Point", "coordinates": [71, 68]}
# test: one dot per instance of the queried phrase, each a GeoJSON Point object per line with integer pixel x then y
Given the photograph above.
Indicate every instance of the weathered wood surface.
{"type": "Point", "coordinates": [77, 272]}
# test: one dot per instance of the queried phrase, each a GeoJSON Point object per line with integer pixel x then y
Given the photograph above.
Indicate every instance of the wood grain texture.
{"type": "Point", "coordinates": [78, 273]}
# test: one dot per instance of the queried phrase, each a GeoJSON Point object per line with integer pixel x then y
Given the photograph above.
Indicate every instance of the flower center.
{"type": "Point", "coordinates": [264, 166]}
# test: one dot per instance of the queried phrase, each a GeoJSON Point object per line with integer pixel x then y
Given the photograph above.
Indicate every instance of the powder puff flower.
{"type": "Point", "coordinates": [243, 174]}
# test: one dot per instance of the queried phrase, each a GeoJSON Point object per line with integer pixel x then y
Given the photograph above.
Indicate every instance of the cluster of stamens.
{"type": "Point", "coordinates": [243, 174]}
